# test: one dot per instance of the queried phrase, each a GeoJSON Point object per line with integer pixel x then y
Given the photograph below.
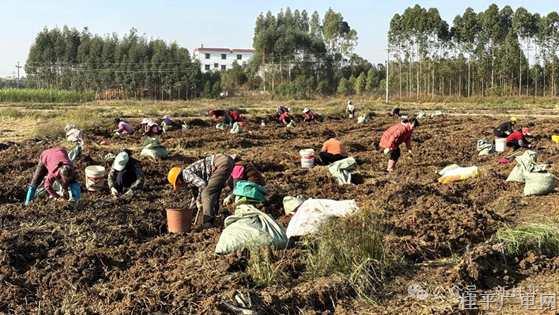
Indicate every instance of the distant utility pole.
{"type": "Point", "coordinates": [387, 72]}
{"type": "Point", "coordinates": [18, 66]}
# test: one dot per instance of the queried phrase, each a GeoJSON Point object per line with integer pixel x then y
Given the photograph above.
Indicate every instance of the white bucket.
{"type": "Point", "coordinates": [307, 158]}
{"type": "Point", "coordinates": [95, 178]}
{"type": "Point", "coordinates": [500, 144]}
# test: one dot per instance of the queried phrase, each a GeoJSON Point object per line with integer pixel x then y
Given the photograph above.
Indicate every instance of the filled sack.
{"type": "Point", "coordinates": [153, 149]}
{"type": "Point", "coordinates": [249, 228]}
{"type": "Point", "coordinates": [538, 184]}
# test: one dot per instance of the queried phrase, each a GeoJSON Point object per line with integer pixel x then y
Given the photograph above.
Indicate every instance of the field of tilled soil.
{"type": "Point", "coordinates": [113, 257]}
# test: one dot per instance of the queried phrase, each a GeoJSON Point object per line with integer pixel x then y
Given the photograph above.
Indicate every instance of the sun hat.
{"type": "Point", "coordinates": [173, 176]}
{"type": "Point", "coordinates": [120, 161]}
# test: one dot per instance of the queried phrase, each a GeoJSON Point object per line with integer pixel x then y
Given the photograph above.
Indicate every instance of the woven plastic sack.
{"type": "Point", "coordinates": [538, 183]}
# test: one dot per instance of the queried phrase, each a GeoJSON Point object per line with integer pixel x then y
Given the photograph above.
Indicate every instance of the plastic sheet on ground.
{"type": "Point", "coordinates": [341, 170]}
{"type": "Point", "coordinates": [484, 147]}
{"type": "Point", "coordinates": [453, 173]}
{"type": "Point", "coordinates": [314, 212]}
{"type": "Point", "coordinates": [247, 228]}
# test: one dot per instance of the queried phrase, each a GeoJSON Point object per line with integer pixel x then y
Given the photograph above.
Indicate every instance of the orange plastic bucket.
{"type": "Point", "coordinates": [179, 220]}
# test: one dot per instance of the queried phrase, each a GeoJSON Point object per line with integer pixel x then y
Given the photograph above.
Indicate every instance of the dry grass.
{"type": "Point", "coordinates": [352, 247]}
{"type": "Point", "coordinates": [264, 268]}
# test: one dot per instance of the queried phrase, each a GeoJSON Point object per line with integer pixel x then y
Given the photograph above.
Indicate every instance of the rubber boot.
{"type": "Point", "coordinates": [75, 192]}
{"type": "Point", "coordinates": [30, 194]}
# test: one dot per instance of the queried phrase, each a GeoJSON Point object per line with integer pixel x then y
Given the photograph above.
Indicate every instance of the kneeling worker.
{"type": "Point", "coordinates": [506, 128]}
{"type": "Point", "coordinates": [393, 137]}
{"type": "Point", "coordinates": [517, 139]}
{"type": "Point", "coordinates": [54, 165]}
{"type": "Point", "coordinates": [332, 150]}
{"type": "Point", "coordinates": [209, 176]}
{"type": "Point", "coordinates": [125, 175]}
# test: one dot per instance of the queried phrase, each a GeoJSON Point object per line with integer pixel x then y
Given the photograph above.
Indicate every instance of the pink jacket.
{"type": "Point", "coordinates": [52, 159]}
{"type": "Point", "coordinates": [124, 128]}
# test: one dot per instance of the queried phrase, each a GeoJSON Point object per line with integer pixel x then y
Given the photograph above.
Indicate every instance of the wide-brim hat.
{"type": "Point", "coordinates": [120, 161]}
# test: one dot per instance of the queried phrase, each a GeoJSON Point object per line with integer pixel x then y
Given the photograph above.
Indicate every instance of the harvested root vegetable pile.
{"type": "Point", "coordinates": [117, 257]}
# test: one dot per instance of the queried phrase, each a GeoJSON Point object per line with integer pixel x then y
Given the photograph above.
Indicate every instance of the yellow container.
{"type": "Point", "coordinates": [555, 138]}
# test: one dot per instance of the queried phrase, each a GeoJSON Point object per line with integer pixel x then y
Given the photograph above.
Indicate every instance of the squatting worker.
{"type": "Point", "coordinates": [506, 128]}
{"type": "Point", "coordinates": [309, 115]}
{"type": "Point", "coordinates": [394, 136]}
{"type": "Point", "coordinates": [517, 139]}
{"type": "Point", "coordinates": [125, 176]}
{"type": "Point", "coordinates": [123, 127]}
{"type": "Point", "coordinates": [54, 165]}
{"type": "Point", "coordinates": [208, 176]}
{"type": "Point", "coordinates": [228, 117]}
{"type": "Point", "coordinates": [332, 150]}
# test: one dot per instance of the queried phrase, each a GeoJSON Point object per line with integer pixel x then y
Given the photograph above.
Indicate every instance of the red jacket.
{"type": "Point", "coordinates": [396, 135]}
{"type": "Point", "coordinates": [284, 118]}
{"type": "Point", "coordinates": [235, 116]}
{"type": "Point", "coordinates": [52, 160]}
{"type": "Point", "coordinates": [515, 136]}
{"type": "Point", "coordinates": [309, 116]}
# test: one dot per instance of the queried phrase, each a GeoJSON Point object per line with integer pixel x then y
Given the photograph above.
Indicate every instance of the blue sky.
{"type": "Point", "coordinates": [226, 23]}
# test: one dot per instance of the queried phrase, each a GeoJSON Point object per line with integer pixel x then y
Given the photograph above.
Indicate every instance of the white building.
{"type": "Point", "coordinates": [220, 59]}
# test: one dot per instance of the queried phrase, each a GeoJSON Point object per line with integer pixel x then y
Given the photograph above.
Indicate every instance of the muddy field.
{"type": "Point", "coordinates": [113, 257]}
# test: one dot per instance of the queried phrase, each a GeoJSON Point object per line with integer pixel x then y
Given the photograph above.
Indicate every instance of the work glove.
{"type": "Point", "coordinates": [129, 193]}
{"type": "Point", "coordinates": [114, 192]}
{"type": "Point", "coordinates": [30, 194]}
{"type": "Point", "coordinates": [228, 200]}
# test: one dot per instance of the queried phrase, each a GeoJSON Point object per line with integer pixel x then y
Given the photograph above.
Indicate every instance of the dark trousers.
{"type": "Point", "coordinates": [516, 144]}
{"type": "Point", "coordinates": [329, 158]}
{"type": "Point", "coordinates": [125, 179]}
{"type": "Point", "coordinates": [500, 134]}
{"type": "Point", "coordinates": [223, 166]}
{"type": "Point", "coordinates": [40, 173]}
{"type": "Point", "coordinates": [394, 155]}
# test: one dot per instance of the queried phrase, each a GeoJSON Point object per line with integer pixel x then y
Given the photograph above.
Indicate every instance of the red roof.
{"type": "Point", "coordinates": [223, 50]}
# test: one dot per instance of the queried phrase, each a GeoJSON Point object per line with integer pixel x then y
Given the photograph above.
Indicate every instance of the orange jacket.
{"type": "Point", "coordinates": [396, 135]}
{"type": "Point", "coordinates": [333, 146]}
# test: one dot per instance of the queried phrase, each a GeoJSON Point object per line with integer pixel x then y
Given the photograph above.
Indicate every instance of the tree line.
{"type": "Point", "coordinates": [297, 55]}
{"type": "Point", "coordinates": [131, 66]}
{"type": "Point", "coordinates": [496, 52]}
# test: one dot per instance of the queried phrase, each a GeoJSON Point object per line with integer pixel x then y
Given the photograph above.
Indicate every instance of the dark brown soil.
{"type": "Point", "coordinates": [116, 256]}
